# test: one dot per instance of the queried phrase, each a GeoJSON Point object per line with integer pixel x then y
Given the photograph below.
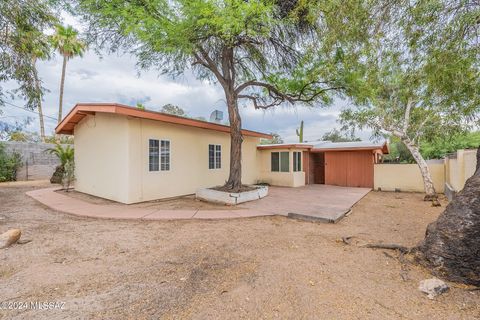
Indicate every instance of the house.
{"type": "Point", "coordinates": [131, 155]}
{"type": "Point", "coordinates": [346, 164]}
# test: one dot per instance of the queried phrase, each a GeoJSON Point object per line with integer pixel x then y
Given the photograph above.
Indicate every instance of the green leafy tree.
{"type": "Point", "coordinates": [420, 83]}
{"type": "Point", "coordinates": [276, 139]}
{"type": "Point", "coordinates": [417, 85]}
{"type": "Point", "coordinates": [22, 27]}
{"type": "Point", "coordinates": [338, 136]}
{"type": "Point", "coordinates": [66, 41]}
{"type": "Point", "coordinates": [259, 52]}
{"type": "Point", "coordinates": [173, 109]}
{"type": "Point", "coordinates": [23, 136]}
{"type": "Point", "coordinates": [440, 147]}
{"type": "Point", "coordinates": [398, 152]}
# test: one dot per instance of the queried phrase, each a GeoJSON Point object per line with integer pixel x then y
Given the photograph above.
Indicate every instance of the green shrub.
{"type": "Point", "coordinates": [64, 154]}
{"type": "Point", "coordinates": [9, 164]}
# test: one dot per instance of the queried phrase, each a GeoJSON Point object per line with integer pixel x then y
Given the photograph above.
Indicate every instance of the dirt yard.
{"type": "Point", "coordinates": [268, 267]}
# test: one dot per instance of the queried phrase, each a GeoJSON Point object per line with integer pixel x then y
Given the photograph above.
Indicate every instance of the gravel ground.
{"type": "Point", "coordinates": [266, 267]}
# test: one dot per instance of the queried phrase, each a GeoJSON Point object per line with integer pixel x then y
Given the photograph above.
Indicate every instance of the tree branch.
{"type": "Point", "coordinates": [210, 64]}
{"type": "Point", "coordinates": [278, 96]}
{"type": "Point", "coordinates": [406, 121]}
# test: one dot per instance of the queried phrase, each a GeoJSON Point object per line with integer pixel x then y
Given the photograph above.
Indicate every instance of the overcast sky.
{"type": "Point", "coordinates": [114, 78]}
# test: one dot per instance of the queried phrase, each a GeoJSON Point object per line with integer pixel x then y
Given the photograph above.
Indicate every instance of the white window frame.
{"type": "Point", "coordinates": [169, 155]}
{"type": "Point", "coordinates": [298, 167]}
{"type": "Point", "coordinates": [160, 155]}
{"type": "Point", "coordinates": [216, 165]}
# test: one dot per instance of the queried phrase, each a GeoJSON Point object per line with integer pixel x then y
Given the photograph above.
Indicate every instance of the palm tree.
{"type": "Point", "coordinates": [64, 154]}
{"type": "Point", "coordinates": [65, 40]}
{"type": "Point", "coordinates": [40, 50]}
{"type": "Point", "coordinates": [64, 171]}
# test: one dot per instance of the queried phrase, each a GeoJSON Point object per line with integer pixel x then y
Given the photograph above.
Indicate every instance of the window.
{"type": "Point", "coordinates": [280, 162]}
{"type": "Point", "coordinates": [275, 161]}
{"type": "Point", "coordinates": [158, 155]}
{"type": "Point", "coordinates": [214, 156]}
{"type": "Point", "coordinates": [153, 154]}
{"type": "Point", "coordinates": [165, 155]}
{"type": "Point", "coordinates": [297, 161]}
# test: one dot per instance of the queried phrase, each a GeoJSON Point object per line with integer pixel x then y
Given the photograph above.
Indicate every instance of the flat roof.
{"type": "Point", "coordinates": [285, 146]}
{"type": "Point", "coordinates": [322, 146]}
{"type": "Point", "coordinates": [81, 110]}
{"type": "Point", "coordinates": [347, 146]}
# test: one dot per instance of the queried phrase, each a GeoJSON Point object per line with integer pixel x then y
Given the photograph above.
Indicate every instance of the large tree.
{"type": "Point", "coordinates": [259, 52]}
{"type": "Point", "coordinates": [67, 42]}
{"type": "Point", "coordinates": [22, 27]}
{"type": "Point", "coordinates": [416, 86]}
{"type": "Point", "coordinates": [40, 50]}
{"type": "Point", "coordinates": [421, 83]}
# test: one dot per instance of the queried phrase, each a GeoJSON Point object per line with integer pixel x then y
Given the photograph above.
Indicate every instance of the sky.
{"type": "Point", "coordinates": [115, 78]}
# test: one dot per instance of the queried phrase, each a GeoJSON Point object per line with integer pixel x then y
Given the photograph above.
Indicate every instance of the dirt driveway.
{"type": "Point", "coordinates": [266, 267]}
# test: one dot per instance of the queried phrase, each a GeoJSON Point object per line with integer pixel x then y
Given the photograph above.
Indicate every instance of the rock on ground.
{"type": "Point", "coordinates": [433, 287]}
{"type": "Point", "coordinates": [10, 237]}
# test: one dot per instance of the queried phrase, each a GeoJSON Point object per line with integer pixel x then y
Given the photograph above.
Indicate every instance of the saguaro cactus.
{"type": "Point", "coordinates": [300, 132]}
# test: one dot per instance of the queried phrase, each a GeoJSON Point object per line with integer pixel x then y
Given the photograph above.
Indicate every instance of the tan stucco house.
{"type": "Point", "coordinates": [131, 155]}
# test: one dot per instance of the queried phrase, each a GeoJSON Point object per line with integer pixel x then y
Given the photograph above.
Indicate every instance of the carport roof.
{"type": "Point", "coordinates": [354, 145]}
{"type": "Point", "coordinates": [321, 146]}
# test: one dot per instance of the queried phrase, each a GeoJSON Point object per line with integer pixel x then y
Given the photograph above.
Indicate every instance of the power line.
{"type": "Point", "coordinates": [31, 111]}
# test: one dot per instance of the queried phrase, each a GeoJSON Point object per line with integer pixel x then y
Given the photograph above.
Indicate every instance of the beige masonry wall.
{"type": "Point", "coordinates": [459, 168]}
{"type": "Point", "coordinates": [407, 177]}
{"type": "Point", "coordinates": [452, 171]}
{"type": "Point", "coordinates": [112, 158]}
{"type": "Point", "coordinates": [285, 179]}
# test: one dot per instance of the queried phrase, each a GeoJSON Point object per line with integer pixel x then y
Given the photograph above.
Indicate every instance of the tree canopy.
{"type": "Point", "coordinates": [22, 37]}
{"type": "Point", "coordinates": [173, 109]}
{"type": "Point", "coordinates": [336, 135]}
{"type": "Point", "coordinates": [420, 73]}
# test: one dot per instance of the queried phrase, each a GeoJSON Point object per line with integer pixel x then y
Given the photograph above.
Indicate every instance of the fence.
{"type": "Point", "coordinates": [36, 163]}
{"type": "Point", "coordinates": [449, 175]}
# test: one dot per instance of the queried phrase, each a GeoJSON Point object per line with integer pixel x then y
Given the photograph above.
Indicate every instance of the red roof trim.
{"type": "Point", "coordinates": [383, 148]}
{"type": "Point", "coordinates": [81, 109]}
{"type": "Point", "coordinates": [284, 146]}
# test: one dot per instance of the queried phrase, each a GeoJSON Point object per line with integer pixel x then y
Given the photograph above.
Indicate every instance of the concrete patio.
{"type": "Point", "coordinates": [313, 202]}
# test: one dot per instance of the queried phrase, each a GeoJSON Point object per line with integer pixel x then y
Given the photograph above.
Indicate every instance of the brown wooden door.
{"type": "Point", "coordinates": [349, 168]}
{"type": "Point", "coordinates": [319, 168]}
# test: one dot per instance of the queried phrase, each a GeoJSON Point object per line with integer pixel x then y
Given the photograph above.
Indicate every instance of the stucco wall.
{"type": "Point", "coordinates": [101, 162]}
{"type": "Point", "coordinates": [459, 168]}
{"type": "Point", "coordinates": [126, 178]}
{"type": "Point", "coordinates": [407, 177]}
{"type": "Point", "coordinates": [188, 160]}
{"type": "Point", "coordinates": [286, 179]}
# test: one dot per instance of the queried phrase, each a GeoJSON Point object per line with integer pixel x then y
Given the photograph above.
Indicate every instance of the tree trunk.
{"type": "Point", "coordinates": [39, 106]}
{"type": "Point", "coordinates": [62, 83]}
{"type": "Point", "coordinates": [236, 138]}
{"type": "Point", "coordinates": [452, 243]}
{"type": "Point", "coordinates": [431, 194]}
